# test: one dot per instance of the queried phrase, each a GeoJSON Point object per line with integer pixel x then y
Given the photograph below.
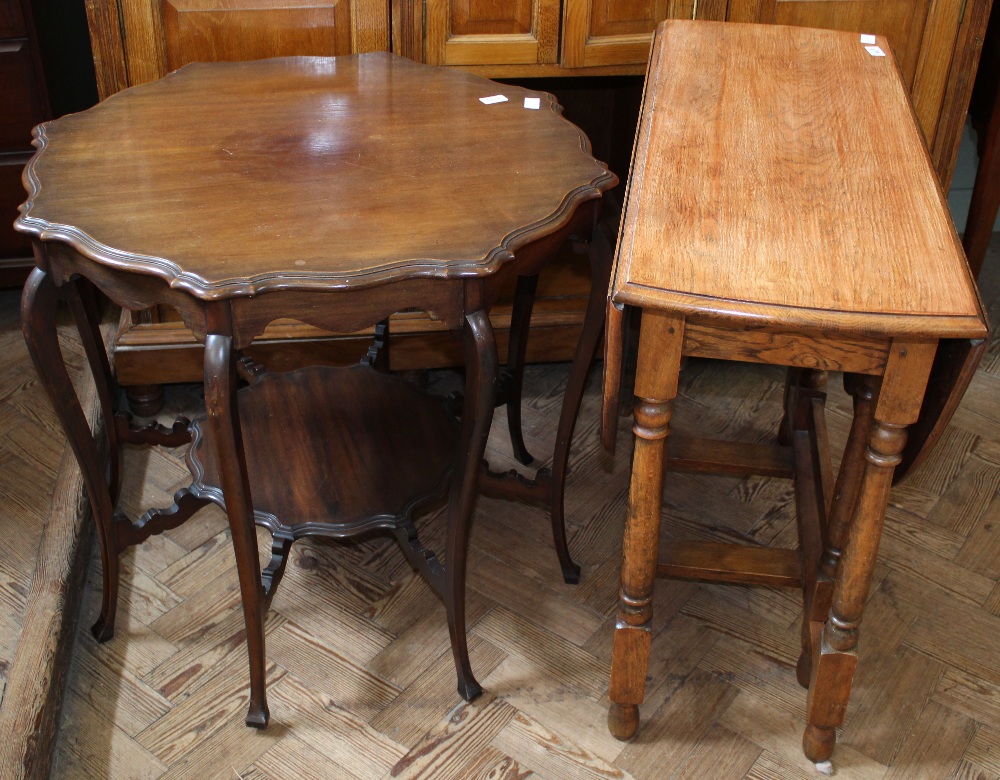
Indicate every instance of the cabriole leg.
{"type": "Point", "coordinates": [223, 417]}
{"type": "Point", "coordinates": [481, 364]}
{"type": "Point", "coordinates": [600, 256]}
{"type": "Point", "coordinates": [517, 346]}
{"type": "Point", "coordinates": [39, 303]}
{"type": "Point", "coordinates": [83, 303]}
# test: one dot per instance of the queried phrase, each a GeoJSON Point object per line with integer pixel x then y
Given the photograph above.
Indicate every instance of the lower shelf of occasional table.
{"type": "Point", "coordinates": [334, 451]}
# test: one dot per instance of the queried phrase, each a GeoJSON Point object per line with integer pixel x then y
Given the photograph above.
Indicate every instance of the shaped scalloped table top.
{"type": "Point", "coordinates": [308, 172]}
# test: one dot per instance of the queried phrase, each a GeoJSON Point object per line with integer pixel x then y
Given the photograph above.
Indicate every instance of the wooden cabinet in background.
{"type": "Point", "coordinates": [25, 103]}
{"type": "Point", "coordinates": [937, 44]}
{"type": "Point", "coordinates": [139, 42]}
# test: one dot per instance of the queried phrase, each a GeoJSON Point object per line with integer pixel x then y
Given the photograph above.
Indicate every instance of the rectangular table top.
{"type": "Point", "coordinates": [779, 176]}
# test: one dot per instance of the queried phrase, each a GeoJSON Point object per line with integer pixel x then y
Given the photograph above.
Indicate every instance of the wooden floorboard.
{"type": "Point", "coordinates": [361, 678]}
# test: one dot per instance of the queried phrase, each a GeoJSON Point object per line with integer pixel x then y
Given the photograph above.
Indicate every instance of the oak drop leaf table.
{"type": "Point", "coordinates": [782, 209]}
{"type": "Point", "coordinates": [336, 192]}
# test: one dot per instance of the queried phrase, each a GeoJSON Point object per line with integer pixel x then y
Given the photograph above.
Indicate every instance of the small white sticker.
{"type": "Point", "coordinates": [875, 51]}
{"type": "Point", "coordinates": [493, 99]}
{"type": "Point", "coordinates": [532, 102]}
{"type": "Point", "coordinates": [868, 39]}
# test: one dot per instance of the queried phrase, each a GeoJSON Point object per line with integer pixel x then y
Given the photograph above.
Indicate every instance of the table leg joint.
{"type": "Point", "coordinates": [154, 433]}
{"type": "Point", "coordinates": [156, 521]}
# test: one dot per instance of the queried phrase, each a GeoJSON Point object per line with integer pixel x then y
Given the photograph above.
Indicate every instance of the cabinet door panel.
{"type": "Point", "coordinates": [161, 35]}
{"type": "Point", "coordinates": [614, 32]}
{"type": "Point", "coordinates": [21, 104]}
{"type": "Point", "coordinates": [206, 30]}
{"type": "Point", "coordinates": [492, 32]}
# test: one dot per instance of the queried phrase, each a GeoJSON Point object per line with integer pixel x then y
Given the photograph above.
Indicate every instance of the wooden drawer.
{"type": "Point", "coordinates": [20, 93]}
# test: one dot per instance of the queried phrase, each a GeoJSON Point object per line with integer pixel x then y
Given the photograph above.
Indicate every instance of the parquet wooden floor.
{"type": "Point", "coordinates": [361, 677]}
{"type": "Point", "coordinates": [31, 446]}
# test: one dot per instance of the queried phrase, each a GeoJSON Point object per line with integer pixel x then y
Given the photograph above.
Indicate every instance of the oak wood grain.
{"type": "Point", "coordinates": [755, 184]}
{"type": "Point", "coordinates": [763, 239]}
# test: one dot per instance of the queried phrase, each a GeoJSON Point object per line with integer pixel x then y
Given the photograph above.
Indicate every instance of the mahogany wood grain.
{"type": "Point", "coordinates": [224, 420]}
{"type": "Point", "coordinates": [782, 209]}
{"type": "Point", "coordinates": [524, 298]}
{"type": "Point", "coordinates": [320, 113]}
{"type": "Point", "coordinates": [347, 471]}
{"type": "Point", "coordinates": [38, 311]}
{"type": "Point", "coordinates": [398, 189]}
{"type": "Point", "coordinates": [481, 362]}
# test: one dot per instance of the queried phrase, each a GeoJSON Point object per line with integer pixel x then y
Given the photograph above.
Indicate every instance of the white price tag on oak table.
{"type": "Point", "coordinates": [493, 99]}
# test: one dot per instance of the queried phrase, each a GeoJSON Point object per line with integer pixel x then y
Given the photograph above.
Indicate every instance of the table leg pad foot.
{"type": "Point", "coordinates": [257, 718]}
{"type": "Point", "coordinates": [103, 630]}
{"type": "Point", "coordinates": [818, 742]}
{"type": "Point", "coordinates": [470, 690]}
{"type": "Point", "coordinates": [571, 573]}
{"type": "Point", "coordinates": [623, 720]}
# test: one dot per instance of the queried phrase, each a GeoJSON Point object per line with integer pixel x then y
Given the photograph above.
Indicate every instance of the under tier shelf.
{"type": "Point", "coordinates": [334, 451]}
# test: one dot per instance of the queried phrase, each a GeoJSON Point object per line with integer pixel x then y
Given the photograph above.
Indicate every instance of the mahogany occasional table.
{"type": "Point", "coordinates": [334, 191]}
{"type": "Point", "coordinates": [782, 209]}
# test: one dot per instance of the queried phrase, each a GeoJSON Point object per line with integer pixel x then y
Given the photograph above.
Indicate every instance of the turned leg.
{"type": "Point", "coordinates": [656, 386]}
{"type": "Point", "coordinates": [819, 594]}
{"type": "Point", "coordinates": [600, 256]}
{"type": "Point", "coordinates": [481, 365]}
{"type": "Point", "coordinates": [835, 648]}
{"type": "Point", "coordinates": [223, 417]}
{"type": "Point", "coordinates": [39, 303]}
{"type": "Point", "coordinates": [144, 400]}
{"type": "Point", "coordinates": [517, 346]}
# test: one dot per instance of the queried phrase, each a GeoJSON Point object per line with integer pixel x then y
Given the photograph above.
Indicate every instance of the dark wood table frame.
{"type": "Point", "coordinates": [70, 265]}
